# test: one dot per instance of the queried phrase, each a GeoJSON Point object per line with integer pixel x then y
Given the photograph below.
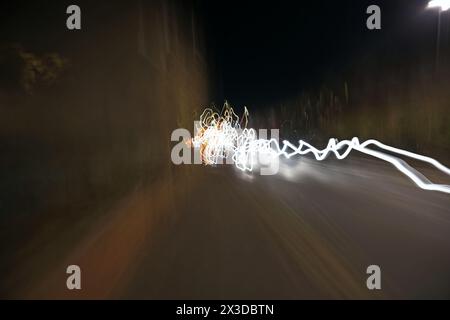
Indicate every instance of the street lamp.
{"type": "Point", "coordinates": [442, 5]}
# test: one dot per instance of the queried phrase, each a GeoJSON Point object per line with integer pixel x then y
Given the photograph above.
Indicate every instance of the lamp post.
{"type": "Point", "coordinates": [441, 5]}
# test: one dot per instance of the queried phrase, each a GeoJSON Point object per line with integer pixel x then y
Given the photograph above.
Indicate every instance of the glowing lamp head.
{"type": "Point", "coordinates": [443, 5]}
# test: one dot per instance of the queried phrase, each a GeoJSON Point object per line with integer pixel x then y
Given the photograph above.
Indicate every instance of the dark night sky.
{"type": "Point", "coordinates": [266, 52]}
{"type": "Point", "coordinates": [269, 51]}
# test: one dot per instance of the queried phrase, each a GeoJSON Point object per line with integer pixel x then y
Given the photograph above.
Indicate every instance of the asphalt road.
{"type": "Point", "coordinates": [216, 233]}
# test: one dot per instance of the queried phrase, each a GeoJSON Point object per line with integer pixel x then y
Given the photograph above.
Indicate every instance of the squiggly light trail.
{"type": "Point", "coordinates": [224, 134]}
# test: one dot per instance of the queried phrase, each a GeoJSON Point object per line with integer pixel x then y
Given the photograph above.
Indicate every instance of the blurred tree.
{"type": "Point", "coordinates": [24, 70]}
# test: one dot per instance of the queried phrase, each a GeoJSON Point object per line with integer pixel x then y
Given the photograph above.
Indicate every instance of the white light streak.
{"type": "Point", "coordinates": [220, 136]}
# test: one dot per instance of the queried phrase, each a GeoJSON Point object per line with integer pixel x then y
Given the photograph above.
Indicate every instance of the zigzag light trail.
{"type": "Point", "coordinates": [223, 134]}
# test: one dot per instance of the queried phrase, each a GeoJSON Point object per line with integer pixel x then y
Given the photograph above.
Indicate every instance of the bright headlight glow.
{"type": "Point", "coordinates": [222, 135]}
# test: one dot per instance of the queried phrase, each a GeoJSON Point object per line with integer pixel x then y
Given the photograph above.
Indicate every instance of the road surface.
{"type": "Point", "coordinates": [216, 233]}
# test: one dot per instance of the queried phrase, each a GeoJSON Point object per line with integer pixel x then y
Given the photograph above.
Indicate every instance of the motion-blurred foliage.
{"type": "Point", "coordinates": [25, 70]}
{"type": "Point", "coordinates": [413, 115]}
